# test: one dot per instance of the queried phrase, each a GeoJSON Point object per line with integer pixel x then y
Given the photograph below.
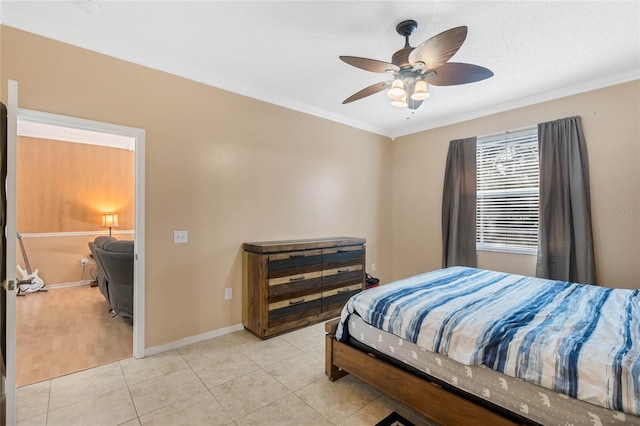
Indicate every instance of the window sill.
{"type": "Point", "coordinates": [529, 252]}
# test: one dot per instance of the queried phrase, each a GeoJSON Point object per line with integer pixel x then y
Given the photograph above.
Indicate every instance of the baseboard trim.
{"type": "Point", "coordinates": [69, 284]}
{"type": "Point", "coordinates": [193, 339]}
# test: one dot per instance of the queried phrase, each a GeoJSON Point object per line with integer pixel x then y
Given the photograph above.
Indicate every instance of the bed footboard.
{"type": "Point", "coordinates": [425, 397]}
{"type": "Point", "coordinates": [331, 370]}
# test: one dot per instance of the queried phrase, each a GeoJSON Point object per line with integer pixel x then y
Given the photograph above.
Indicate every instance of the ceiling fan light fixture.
{"type": "Point", "coordinates": [420, 92]}
{"type": "Point", "coordinates": [397, 90]}
{"type": "Point", "coordinates": [400, 102]}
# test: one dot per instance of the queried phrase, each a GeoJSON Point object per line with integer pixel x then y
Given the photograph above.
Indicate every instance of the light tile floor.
{"type": "Point", "coordinates": [236, 379]}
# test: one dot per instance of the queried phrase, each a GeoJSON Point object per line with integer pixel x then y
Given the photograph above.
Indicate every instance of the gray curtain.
{"type": "Point", "coordinates": [565, 243]}
{"type": "Point", "coordinates": [459, 205]}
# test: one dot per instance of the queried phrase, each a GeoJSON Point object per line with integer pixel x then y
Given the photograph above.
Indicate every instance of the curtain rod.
{"type": "Point", "coordinates": [506, 132]}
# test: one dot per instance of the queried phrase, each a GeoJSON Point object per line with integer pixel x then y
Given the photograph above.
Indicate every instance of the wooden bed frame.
{"type": "Point", "coordinates": [426, 397]}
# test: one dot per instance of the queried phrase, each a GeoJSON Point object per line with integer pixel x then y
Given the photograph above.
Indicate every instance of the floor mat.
{"type": "Point", "coordinates": [394, 419]}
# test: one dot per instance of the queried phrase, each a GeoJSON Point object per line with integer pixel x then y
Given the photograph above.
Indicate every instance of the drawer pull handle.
{"type": "Point", "coordinates": [296, 302]}
{"type": "Point", "coordinates": [343, 251]}
{"type": "Point", "coordinates": [297, 278]}
{"type": "Point", "coordinates": [293, 256]}
{"type": "Point", "coordinates": [344, 290]}
{"type": "Point", "coordinates": [340, 271]}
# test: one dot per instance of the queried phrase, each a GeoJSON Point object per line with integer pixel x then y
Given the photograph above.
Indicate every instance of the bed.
{"type": "Point", "coordinates": [470, 346]}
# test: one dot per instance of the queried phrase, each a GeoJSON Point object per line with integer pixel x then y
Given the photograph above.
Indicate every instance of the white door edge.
{"type": "Point", "coordinates": [12, 121]}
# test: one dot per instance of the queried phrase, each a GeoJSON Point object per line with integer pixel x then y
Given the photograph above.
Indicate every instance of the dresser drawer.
{"type": "Point", "coordinates": [342, 256]}
{"type": "Point", "coordinates": [294, 263]}
{"type": "Point", "coordinates": [336, 298]}
{"type": "Point", "coordinates": [294, 309]}
{"type": "Point", "coordinates": [296, 286]}
{"type": "Point", "coordinates": [339, 277]}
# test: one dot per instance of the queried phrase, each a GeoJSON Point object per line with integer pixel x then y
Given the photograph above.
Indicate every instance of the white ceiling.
{"type": "Point", "coordinates": [287, 52]}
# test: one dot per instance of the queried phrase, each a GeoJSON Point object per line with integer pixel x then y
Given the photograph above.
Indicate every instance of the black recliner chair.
{"type": "Point", "coordinates": [101, 276]}
{"type": "Point", "coordinates": [116, 259]}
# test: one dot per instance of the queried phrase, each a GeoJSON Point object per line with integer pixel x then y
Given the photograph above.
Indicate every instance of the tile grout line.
{"type": "Point", "coordinates": [46, 417]}
{"type": "Point", "coordinates": [312, 383]}
{"type": "Point", "coordinates": [133, 402]}
{"type": "Point", "coordinates": [207, 387]}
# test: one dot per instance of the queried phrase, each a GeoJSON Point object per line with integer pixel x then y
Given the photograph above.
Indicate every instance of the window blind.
{"type": "Point", "coordinates": [508, 179]}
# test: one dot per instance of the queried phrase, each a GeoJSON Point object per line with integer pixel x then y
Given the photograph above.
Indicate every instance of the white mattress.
{"type": "Point", "coordinates": [529, 400]}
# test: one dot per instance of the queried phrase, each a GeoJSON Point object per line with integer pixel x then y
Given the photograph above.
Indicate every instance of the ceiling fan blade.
{"type": "Point", "coordinates": [367, 91]}
{"type": "Point", "coordinates": [372, 65]}
{"type": "Point", "coordinates": [453, 73]}
{"type": "Point", "coordinates": [436, 51]}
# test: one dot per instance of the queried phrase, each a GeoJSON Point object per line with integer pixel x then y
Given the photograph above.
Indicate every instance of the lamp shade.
{"type": "Point", "coordinates": [400, 102]}
{"type": "Point", "coordinates": [397, 90]}
{"type": "Point", "coordinates": [110, 220]}
{"type": "Point", "coordinates": [420, 92]}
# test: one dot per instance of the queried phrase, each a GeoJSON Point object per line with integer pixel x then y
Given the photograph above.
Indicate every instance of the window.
{"type": "Point", "coordinates": [507, 192]}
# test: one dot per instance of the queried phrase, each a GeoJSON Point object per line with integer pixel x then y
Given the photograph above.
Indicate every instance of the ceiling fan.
{"type": "Point", "coordinates": [413, 68]}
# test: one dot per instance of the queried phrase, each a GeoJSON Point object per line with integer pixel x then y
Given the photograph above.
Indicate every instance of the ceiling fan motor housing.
{"type": "Point", "coordinates": [405, 28]}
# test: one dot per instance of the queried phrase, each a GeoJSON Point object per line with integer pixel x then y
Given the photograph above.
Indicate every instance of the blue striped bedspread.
{"type": "Point", "coordinates": [575, 339]}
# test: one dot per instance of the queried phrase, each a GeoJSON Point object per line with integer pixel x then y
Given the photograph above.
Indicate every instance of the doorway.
{"type": "Point", "coordinates": [79, 288]}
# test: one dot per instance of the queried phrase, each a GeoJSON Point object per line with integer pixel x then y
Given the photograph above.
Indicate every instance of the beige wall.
{"type": "Point", "coordinates": [65, 187]}
{"type": "Point", "coordinates": [224, 167]}
{"type": "Point", "coordinates": [611, 123]}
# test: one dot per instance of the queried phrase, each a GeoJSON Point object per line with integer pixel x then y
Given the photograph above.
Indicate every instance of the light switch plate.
{"type": "Point", "coordinates": [180, 237]}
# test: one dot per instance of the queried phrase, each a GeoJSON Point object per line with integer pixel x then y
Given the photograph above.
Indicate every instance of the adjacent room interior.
{"type": "Point", "coordinates": [83, 180]}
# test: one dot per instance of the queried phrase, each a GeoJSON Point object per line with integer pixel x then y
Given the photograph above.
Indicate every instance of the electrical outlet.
{"type": "Point", "coordinates": [228, 293]}
{"type": "Point", "coordinates": [373, 267]}
{"type": "Point", "coordinates": [83, 262]}
{"type": "Point", "coordinates": [180, 237]}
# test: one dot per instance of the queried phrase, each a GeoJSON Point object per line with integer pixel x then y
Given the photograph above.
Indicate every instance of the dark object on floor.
{"type": "Point", "coordinates": [394, 419]}
{"type": "Point", "coordinates": [371, 281]}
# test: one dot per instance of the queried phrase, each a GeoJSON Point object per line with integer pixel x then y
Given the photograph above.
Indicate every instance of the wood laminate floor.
{"type": "Point", "coordinates": [66, 330]}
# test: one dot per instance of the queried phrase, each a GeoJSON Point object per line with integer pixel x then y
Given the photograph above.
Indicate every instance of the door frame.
{"type": "Point", "coordinates": [139, 222]}
{"type": "Point", "coordinates": [10, 255]}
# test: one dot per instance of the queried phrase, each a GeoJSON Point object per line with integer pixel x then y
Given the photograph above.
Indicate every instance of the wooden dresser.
{"type": "Point", "coordinates": [291, 284]}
